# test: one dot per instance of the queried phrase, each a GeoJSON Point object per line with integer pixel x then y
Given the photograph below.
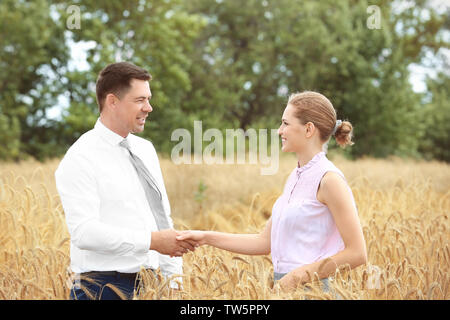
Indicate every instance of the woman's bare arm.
{"type": "Point", "coordinates": [251, 244]}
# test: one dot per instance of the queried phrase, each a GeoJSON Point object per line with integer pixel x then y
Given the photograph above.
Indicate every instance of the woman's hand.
{"type": "Point", "coordinates": [199, 237]}
{"type": "Point", "coordinates": [291, 280]}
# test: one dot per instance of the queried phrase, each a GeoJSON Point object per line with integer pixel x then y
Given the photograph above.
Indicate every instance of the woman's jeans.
{"type": "Point", "coordinates": [277, 276]}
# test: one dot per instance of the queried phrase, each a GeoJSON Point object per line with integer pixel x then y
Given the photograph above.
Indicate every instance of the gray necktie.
{"type": "Point", "coordinates": [152, 192]}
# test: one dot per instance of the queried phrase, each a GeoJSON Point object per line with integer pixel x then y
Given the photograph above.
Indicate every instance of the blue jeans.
{"type": "Point", "coordinates": [104, 286]}
{"type": "Point", "coordinates": [277, 276]}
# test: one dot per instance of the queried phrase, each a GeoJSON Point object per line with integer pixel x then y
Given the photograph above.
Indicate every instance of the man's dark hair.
{"type": "Point", "coordinates": [116, 79]}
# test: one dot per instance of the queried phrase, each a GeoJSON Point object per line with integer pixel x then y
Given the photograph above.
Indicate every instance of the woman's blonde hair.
{"type": "Point", "coordinates": [316, 108]}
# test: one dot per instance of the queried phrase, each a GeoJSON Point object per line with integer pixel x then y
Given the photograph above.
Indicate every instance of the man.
{"type": "Point", "coordinates": [112, 191]}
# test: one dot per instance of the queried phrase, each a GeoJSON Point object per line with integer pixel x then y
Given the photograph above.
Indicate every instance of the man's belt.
{"type": "Point", "coordinates": [93, 274]}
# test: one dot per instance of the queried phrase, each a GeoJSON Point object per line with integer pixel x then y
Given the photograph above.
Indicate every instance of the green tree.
{"type": "Point", "coordinates": [33, 55]}
{"type": "Point", "coordinates": [156, 35]}
{"type": "Point", "coordinates": [230, 64]}
{"type": "Point", "coordinates": [252, 53]}
{"type": "Point", "coordinates": [436, 120]}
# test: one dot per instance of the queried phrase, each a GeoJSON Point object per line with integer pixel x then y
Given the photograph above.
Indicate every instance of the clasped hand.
{"type": "Point", "coordinates": [175, 243]}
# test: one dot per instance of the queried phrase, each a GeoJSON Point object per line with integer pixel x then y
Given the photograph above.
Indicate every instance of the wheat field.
{"type": "Point", "coordinates": [403, 206]}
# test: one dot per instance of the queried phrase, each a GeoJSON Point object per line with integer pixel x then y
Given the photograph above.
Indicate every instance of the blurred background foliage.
{"type": "Point", "coordinates": [229, 63]}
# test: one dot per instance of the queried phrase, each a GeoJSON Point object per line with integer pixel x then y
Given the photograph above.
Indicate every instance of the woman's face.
{"type": "Point", "coordinates": [291, 131]}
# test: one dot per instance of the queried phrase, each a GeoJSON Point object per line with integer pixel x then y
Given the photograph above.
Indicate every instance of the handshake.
{"type": "Point", "coordinates": [176, 243]}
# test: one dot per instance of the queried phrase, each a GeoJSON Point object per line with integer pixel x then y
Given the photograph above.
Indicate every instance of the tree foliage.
{"type": "Point", "coordinates": [33, 57]}
{"type": "Point", "coordinates": [436, 121]}
{"type": "Point", "coordinates": [229, 63]}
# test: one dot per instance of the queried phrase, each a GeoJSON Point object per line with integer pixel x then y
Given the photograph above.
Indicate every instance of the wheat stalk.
{"type": "Point", "coordinates": [404, 220]}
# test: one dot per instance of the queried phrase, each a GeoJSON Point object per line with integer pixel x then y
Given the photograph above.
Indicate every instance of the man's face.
{"type": "Point", "coordinates": [133, 108]}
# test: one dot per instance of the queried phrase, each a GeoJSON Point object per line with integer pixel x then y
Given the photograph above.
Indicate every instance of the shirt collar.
{"type": "Point", "coordinates": [110, 136]}
{"type": "Point", "coordinates": [310, 163]}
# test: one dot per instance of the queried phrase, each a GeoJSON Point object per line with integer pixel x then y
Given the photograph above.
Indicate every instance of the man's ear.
{"type": "Point", "coordinates": [111, 100]}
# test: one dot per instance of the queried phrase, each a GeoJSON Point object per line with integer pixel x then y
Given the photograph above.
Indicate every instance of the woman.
{"type": "Point", "coordinates": [314, 225]}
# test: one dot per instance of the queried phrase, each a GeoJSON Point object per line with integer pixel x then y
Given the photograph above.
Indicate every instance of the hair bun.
{"type": "Point", "coordinates": [343, 133]}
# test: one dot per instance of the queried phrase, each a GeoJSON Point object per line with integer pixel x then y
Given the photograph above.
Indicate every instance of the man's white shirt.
{"type": "Point", "coordinates": [107, 213]}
